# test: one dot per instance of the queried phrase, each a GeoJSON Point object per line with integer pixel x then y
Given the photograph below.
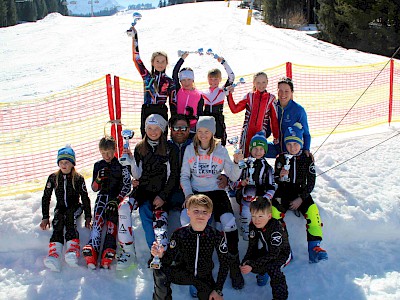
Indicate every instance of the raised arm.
{"type": "Point", "coordinates": [235, 108]}
{"type": "Point", "coordinates": [136, 57]}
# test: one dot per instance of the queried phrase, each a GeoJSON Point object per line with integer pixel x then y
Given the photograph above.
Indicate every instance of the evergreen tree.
{"type": "Point", "coordinates": [11, 13]}
{"type": "Point", "coordinates": [3, 13]}
{"type": "Point", "coordinates": [52, 6]}
{"type": "Point", "coordinates": [41, 9]}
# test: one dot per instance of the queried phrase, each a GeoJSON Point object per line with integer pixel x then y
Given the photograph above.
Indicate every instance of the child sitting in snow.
{"type": "Point", "coordinates": [68, 186]}
{"type": "Point", "coordinates": [295, 176]}
{"type": "Point", "coordinates": [257, 179]}
{"type": "Point", "coordinates": [268, 251]}
{"type": "Point", "coordinates": [113, 182]}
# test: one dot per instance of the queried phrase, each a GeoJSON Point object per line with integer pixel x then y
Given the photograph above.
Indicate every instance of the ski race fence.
{"type": "Point", "coordinates": [31, 132]}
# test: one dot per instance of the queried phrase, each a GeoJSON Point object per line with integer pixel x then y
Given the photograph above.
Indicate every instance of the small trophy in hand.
{"type": "Point", "coordinates": [127, 134]}
{"type": "Point", "coordinates": [287, 167]}
{"type": "Point", "coordinates": [251, 170]}
{"type": "Point", "coordinates": [234, 141]}
{"type": "Point", "coordinates": [156, 262]}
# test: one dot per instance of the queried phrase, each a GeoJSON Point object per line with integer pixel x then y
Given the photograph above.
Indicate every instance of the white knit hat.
{"type": "Point", "coordinates": [155, 119]}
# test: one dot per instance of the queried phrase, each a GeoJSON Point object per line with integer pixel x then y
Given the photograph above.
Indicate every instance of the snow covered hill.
{"type": "Point", "coordinates": [358, 200]}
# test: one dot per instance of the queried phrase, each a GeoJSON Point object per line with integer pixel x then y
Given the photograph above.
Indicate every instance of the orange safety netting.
{"type": "Point", "coordinates": [31, 132]}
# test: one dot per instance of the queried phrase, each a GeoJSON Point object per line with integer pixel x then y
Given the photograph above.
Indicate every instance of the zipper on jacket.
{"type": "Point", "coordinates": [65, 190]}
{"type": "Point", "coordinates": [197, 253]}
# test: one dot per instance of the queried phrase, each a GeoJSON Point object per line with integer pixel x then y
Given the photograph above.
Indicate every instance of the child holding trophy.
{"type": "Point", "coordinates": [257, 179]}
{"type": "Point", "coordinates": [158, 162]}
{"type": "Point", "coordinates": [194, 244]}
{"type": "Point", "coordinates": [295, 176]}
{"type": "Point", "coordinates": [203, 161]}
{"type": "Point", "coordinates": [158, 86]}
{"type": "Point", "coordinates": [260, 111]}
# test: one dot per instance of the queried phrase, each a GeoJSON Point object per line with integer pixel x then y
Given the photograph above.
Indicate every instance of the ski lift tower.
{"type": "Point", "coordinates": [91, 6]}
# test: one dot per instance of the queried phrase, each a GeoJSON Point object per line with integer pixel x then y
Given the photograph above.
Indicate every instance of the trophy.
{"type": "Point", "coordinates": [136, 17]}
{"type": "Point", "coordinates": [287, 167]}
{"type": "Point", "coordinates": [156, 262]}
{"type": "Point", "coordinates": [210, 52]}
{"type": "Point", "coordinates": [251, 170]}
{"type": "Point", "coordinates": [241, 81]}
{"type": "Point", "coordinates": [127, 134]}
{"type": "Point", "coordinates": [234, 141]}
{"type": "Point", "coordinates": [199, 51]}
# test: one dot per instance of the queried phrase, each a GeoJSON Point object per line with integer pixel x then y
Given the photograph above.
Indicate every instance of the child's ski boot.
{"type": "Point", "coordinates": [73, 252]}
{"type": "Point", "coordinates": [315, 252]}
{"type": "Point", "coordinates": [107, 258]}
{"type": "Point", "coordinates": [127, 257]}
{"type": "Point", "coordinates": [90, 256]}
{"type": "Point", "coordinates": [262, 279]}
{"type": "Point", "coordinates": [53, 260]}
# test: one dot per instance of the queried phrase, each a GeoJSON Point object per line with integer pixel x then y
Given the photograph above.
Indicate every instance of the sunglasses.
{"type": "Point", "coordinates": [180, 128]}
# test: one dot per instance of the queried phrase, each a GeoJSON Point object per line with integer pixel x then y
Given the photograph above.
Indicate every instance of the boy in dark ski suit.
{"type": "Point", "coordinates": [295, 176]}
{"type": "Point", "coordinates": [257, 179]}
{"type": "Point", "coordinates": [188, 258]}
{"type": "Point", "coordinates": [113, 182]}
{"type": "Point", "coordinates": [268, 251]}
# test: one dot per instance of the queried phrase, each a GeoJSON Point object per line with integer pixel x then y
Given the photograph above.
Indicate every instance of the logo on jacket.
{"type": "Point", "coordinates": [312, 168]}
{"type": "Point", "coordinates": [276, 238]}
{"type": "Point", "coordinates": [223, 247]}
{"type": "Point", "coordinates": [252, 234]}
{"type": "Point", "coordinates": [172, 244]}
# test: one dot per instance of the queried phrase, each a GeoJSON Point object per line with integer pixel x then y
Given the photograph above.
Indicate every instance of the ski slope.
{"type": "Point", "coordinates": [358, 200]}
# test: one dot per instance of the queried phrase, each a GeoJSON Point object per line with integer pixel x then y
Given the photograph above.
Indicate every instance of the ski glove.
{"type": "Point", "coordinates": [102, 175]}
{"type": "Point", "coordinates": [112, 207]}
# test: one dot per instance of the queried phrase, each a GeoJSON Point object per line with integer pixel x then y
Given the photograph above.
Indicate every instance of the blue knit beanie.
{"type": "Point", "coordinates": [259, 140]}
{"type": "Point", "coordinates": [294, 133]}
{"type": "Point", "coordinates": [66, 153]}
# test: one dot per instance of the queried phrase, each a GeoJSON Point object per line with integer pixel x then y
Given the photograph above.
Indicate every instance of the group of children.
{"type": "Point", "coordinates": [184, 175]}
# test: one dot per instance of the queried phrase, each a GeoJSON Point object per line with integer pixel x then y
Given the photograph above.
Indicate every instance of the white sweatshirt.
{"type": "Point", "coordinates": [200, 172]}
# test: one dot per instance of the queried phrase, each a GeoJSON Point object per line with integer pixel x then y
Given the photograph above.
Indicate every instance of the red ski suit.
{"type": "Point", "coordinates": [260, 115]}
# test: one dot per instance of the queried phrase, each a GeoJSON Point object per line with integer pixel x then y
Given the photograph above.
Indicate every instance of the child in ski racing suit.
{"type": "Point", "coordinates": [158, 86]}
{"type": "Point", "coordinates": [193, 245]}
{"type": "Point", "coordinates": [188, 101]}
{"type": "Point", "coordinates": [160, 174]}
{"type": "Point", "coordinates": [68, 186]}
{"type": "Point", "coordinates": [204, 160]}
{"type": "Point", "coordinates": [214, 98]}
{"type": "Point", "coordinates": [295, 176]}
{"type": "Point", "coordinates": [268, 250]}
{"type": "Point", "coordinates": [260, 112]}
{"type": "Point", "coordinates": [113, 182]}
{"type": "Point", "coordinates": [261, 173]}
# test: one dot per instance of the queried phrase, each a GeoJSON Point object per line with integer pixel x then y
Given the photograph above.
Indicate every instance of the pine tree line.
{"type": "Point", "coordinates": [366, 25]}
{"type": "Point", "coordinates": [12, 12]}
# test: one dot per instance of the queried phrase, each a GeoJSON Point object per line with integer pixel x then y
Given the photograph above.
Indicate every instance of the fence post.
{"type": "Point", "coordinates": [391, 91]}
{"type": "Point", "coordinates": [117, 99]}
{"type": "Point", "coordinates": [289, 71]}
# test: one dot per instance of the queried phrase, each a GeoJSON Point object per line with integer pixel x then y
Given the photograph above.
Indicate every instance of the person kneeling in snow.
{"type": "Point", "coordinates": [295, 176]}
{"type": "Point", "coordinates": [69, 186]}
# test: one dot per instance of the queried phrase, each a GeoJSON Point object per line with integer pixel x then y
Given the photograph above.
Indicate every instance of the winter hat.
{"type": "Point", "coordinates": [259, 140]}
{"type": "Point", "coordinates": [294, 133]}
{"type": "Point", "coordinates": [155, 119]}
{"type": "Point", "coordinates": [66, 153]}
{"type": "Point", "coordinates": [206, 122]}
{"type": "Point", "coordinates": [186, 74]}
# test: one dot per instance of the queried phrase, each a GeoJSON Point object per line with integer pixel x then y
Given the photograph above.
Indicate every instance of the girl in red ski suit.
{"type": "Point", "coordinates": [260, 112]}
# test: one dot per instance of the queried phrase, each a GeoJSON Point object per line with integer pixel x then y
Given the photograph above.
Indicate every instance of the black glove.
{"type": "Point", "coordinates": [112, 207]}
{"type": "Point", "coordinates": [103, 175]}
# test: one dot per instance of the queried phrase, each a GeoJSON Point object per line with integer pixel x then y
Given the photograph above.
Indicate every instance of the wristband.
{"type": "Point", "coordinates": [219, 292]}
{"type": "Point", "coordinates": [97, 180]}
